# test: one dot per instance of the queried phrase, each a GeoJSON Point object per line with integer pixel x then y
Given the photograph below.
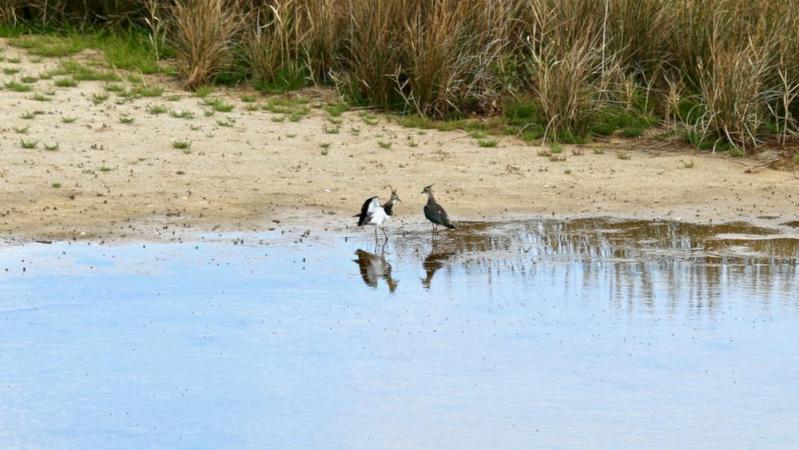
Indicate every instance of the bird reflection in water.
{"type": "Point", "coordinates": [434, 261]}
{"type": "Point", "coordinates": [374, 267]}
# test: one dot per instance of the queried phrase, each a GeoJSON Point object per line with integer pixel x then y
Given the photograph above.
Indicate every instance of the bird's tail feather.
{"type": "Point", "coordinates": [450, 226]}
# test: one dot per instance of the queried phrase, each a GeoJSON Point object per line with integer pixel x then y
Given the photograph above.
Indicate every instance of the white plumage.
{"type": "Point", "coordinates": [375, 214]}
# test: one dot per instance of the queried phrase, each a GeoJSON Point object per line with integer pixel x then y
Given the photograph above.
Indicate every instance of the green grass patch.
{"type": "Point", "coordinates": [16, 86]}
{"type": "Point", "coordinates": [298, 107]}
{"type": "Point", "coordinates": [297, 115]}
{"type": "Point", "coordinates": [369, 119]}
{"type": "Point", "coordinates": [39, 97]}
{"type": "Point", "coordinates": [127, 49]}
{"type": "Point", "coordinates": [28, 144]}
{"type": "Point", "coordinates": [66, 82]}
{"type": "Point", "coordinates": [157, 109]}
{"type": "Point", "coordinates": [609, 120]}
{"type": "Point", "coordinates": [632, 132]}
{"type": "Point", "coordinates": [706, 142]}
{"type": "Point", "coordinates": [203, 91]}
{"type": "Point", "coordinates": [284, 80]}
{"type": "Point", "coordinates": [99, 98]}
{"type": "Point", "coordinates": [487, 142]}
{"type": "Point", "coordinates": [181, 145]}
{"type": "Point", "coordinates": [337, 109]}
{"type": "Point", "coordinates": [218, 105]}
{"type": "Point", "coordinates": [52, 46]}
{"type": "Point", "coordinates": [736, 152]}
{"type": "Point", "coordinates": [690, 110]}
{"type": "Point", "coordinates": [188, 115]}
{"type": "Point", "coordinates": [114, 87]}
{"type": "Point", "coordinates": [141, 90]}
{"type": "Point", "coordinates": [83, 72]}
{"type": "Point", "coordinates": [148, 91]}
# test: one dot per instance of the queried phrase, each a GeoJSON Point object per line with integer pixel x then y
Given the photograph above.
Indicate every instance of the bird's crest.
{"type": "Point", "coordinates": [394, 196]}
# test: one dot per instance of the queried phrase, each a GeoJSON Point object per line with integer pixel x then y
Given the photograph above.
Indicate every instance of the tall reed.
{"type": "Point", "coordinates": [291, 42]}
{"type": "Point", "coordinates": [725, 69]}
{"type": "Point", "coordinates": [203, 37]}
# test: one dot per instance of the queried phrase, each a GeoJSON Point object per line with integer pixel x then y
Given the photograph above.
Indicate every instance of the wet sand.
{"type": "Point", "coordinates": [246, 170]}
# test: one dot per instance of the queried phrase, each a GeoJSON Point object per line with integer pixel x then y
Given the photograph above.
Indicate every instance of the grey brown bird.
{"type": "Point", "coordinates": [434, 212]}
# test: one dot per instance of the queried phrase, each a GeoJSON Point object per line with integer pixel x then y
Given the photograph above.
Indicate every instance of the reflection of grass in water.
{"type": "Point", "coordinates": [593, 240]}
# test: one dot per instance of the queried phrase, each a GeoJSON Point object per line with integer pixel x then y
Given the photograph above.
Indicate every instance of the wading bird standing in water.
{"type": "Point", "coordinates": [372, 213]}
{"type": "Point", "coordinates": [434, 212]}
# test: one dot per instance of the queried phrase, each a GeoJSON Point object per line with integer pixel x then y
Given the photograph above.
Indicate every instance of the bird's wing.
{"type": "Point", "coordinates": [368, 209]}
{"type": "Point", "coordinates": [442, 214]}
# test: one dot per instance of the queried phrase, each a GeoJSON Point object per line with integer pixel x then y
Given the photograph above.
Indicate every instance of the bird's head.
{"type": "Point", "coordinates": [428, 189]}
{"type": "Point", "coordinates": [394, 196]}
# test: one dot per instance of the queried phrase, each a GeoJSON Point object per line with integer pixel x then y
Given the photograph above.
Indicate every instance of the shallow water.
{"type": "Point", "coordinates": [584, 334]}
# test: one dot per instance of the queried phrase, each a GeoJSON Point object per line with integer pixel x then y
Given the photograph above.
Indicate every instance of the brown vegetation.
{"type": "Point", "coordinates": [725, 71]}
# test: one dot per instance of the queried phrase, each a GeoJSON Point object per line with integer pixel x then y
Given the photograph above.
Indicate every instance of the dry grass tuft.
{"type": "Point", "coordinates": [721, 71]}
{"type": "Point", "coordinates": [291, 42]}
{"type": "Point", "coordinates": [203, 36]}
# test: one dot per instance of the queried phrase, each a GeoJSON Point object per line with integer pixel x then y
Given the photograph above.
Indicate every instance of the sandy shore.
{"type": "Point", "coordinates": [113, 179]}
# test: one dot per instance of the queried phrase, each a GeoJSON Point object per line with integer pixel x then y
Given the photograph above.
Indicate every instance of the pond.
{"type": "Point", "coordinates": [594, 333]}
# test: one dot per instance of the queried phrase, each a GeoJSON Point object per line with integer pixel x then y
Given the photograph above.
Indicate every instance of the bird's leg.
{"type": "Point", "coordinates": [375, 234]}
{"type": "Point", "coordinates": [385, 233]}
